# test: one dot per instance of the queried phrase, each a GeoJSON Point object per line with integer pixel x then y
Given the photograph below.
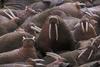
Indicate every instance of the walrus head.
{"type": "Point", "coordinates": [53, 27]}
{"type": "Point", "coordinates": [84, 30]}
{"type": "Point", "coordinates": [28, 42]}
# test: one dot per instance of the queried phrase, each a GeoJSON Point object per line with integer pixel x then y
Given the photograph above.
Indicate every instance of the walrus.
{"type": "Point", "coordinates": [27, 50]}
{"type": "Point", "coordinates": [53, 35]}
{"type": "Point", "coordinates": [90, 53]}
{"type": "Point", "coordinates": [12, 40]}
{"type": "Point", "coordinates": [84, 30]}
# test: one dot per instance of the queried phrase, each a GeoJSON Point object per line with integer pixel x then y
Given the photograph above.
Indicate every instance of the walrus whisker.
{"type": "Point", "coordinates": [49, 31]}
{"type": "Point", "coordinates": [90, 54]}
{"type": "Point", "coordinates": [8, 14]}
{"type": "Point", "coordinates": [56, 27]}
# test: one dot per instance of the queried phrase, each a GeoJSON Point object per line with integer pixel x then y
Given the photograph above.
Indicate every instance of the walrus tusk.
{"type": "Point", "coordinates": [92, 28]}
{"type": "Point", "coordinates": [90, 54]}
{"type": "Point", "coordinates": [33, 38]}
{"type": "Point", "coordinates": [82, 27]}
{"type": "Point", "coordinates": [36, 59]}
{"type": "Point", "coordinates": [10, 11]}
{"type": "Point", "coordinates": [40, 64]}
{"type": "Point", "coordinates": [82, 53]}
{"type": "Point", "coordinates": [49, 31]}
{"type": "Point", "coordinates": [99, 46]}
{"type": "Point", "coordinates": [34, 11]}
{"type": "Point", "coordinates": [36, 28]}
{"type": "Point", "coordinates": [54, 55]}
{"type": "Point", "coordinates": [24, 38]}
{"type": "Point", "coordinates": [56, 28]}
{"type": "Point", "coordinates": [7, 14]}
{"type": "Point", "coordinates": [87, 26]}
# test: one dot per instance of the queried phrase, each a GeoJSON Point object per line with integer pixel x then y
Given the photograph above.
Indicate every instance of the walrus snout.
{"type": "Point", "coordinates": [53, 20]}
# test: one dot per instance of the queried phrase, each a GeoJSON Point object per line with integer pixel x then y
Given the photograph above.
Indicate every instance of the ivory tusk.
{"type": "Point", "coordinates": [54, 55]}
{"type": "Point", "coordinates": [92, 28]}
{"type": "Point", "coordinates": [87, 26]}
{"type": "Point", "coordinates": [49, 31]}
{"type": "Point", "coordinates": [36, 28]}
{"type": "Point", "coordinates": [37, 60]}
{"type": "Point", "coordinates": [82, 27]}
{"type": "Point", "coordinates": [90, 54]}
{"type": "Point", "coordinates": [56, 28]}
{"type": "Point", "coordinates": [11, 13]}
{"type": "Point", "coordinates": [82, 53]}
{"type": "Point", "coordinates": [8, 14]}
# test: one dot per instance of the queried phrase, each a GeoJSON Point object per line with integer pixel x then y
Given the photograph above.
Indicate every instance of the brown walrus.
{"type": "Point", "coordinates": [21, 54]}
{"type": "Point", "coordinates": [55, 36]}
{"type": "Point", "coordinates": [12, 40]}
{"type": "Point", "coordinates": [84, 30]}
